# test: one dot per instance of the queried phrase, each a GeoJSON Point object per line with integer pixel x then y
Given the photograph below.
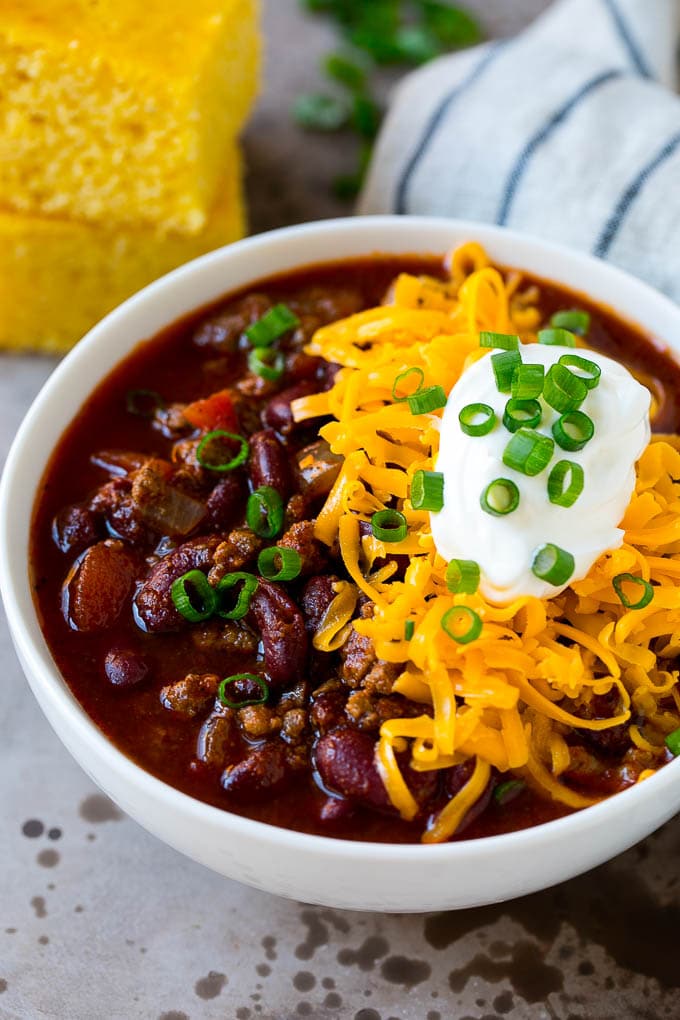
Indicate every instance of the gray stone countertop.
{"type": "Point", "coordinates": [100, 920]}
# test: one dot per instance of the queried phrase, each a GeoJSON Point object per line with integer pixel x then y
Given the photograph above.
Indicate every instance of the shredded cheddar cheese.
{"type": "Point", "coordinates": [509, 698]}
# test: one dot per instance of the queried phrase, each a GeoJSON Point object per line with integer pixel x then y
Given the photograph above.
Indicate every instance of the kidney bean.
{"type": "Point", "coordinates": [97, 586]}
{"type": "Point", "coordinates": [153, 602]}
{"type": "Point", "coordinates": [278, 413]}
{"type": "Point", "coordinates": [74, 528]}
{"type": "Point", "coordinates": [226, 502]}
{"type": "Point", "coordinates": [269, 463]}
{"type": "Point", "coordinates": [274, 615]}
{"type": "Point", "coordinates": [335, 809]}
{"type": "Point", "coordinates": [317, 596]}
{"type": "Point", "coordinates": [264, 773]}
{"type": "Point", "coordinates": [301, 367]}
{"type": "Point", "coordinates": [327, 710]}
{"type": "Point", "coordinates": [124, 668]}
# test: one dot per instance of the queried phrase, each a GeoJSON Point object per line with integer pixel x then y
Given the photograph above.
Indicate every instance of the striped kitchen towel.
{"type": "Point", "coordinates": [570, 131]}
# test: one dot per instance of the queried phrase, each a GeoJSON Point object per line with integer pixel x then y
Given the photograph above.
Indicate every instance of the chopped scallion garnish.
{"type": "Point", "coordinates": [647, 592]}
{"type": "Point", "coordinates": [427, 400]}
{"type": "Point", "coordinates": [522, 414]}
{"type": "Point", "coordinates": [216, 440]}
{"type": "Point", "coordinates": [573, 319]}
{"type": "Point", "coordinates": [249, 678]}
{"type": "Point", "coordinates": [462, 577]}
{"type": "Point", "coordinates": [273, 324]}
{"type": "Point", "coordinates": [389, 526]}
{"type": "Point", "coordinates": [462, 624]}
{"type": "Point", "coordinates": [504, 341]}
{"type": "Point", "coordinates": [565, 483]}
{"type": "Point", "coordinates": [414, 374]}
{"type": "Point", "coordinates": [477, 419]}
{"type": "Point", "coordinates": [193, 597]}
{"type": "Point", "coordinates": [563, 390]}
{"type": "Point", "coordinates": [673, 742]}
{"type": "Point", "coordinates": [500, 497]}
{"type": "Point", "coordinates": [504, 365]}
{"type": "Point", "coordinates": [427, 491]}
{"type": "Point", "coordinates": [248, 588]}
{"type": "Point", "coordinates": [264, 512]}
{"type": "Point", "coordinates": [507, 791]}
{"type": "Point", "coordinates": [583, 368]}
{"type": "Point", "coordinates": [557, 337]}
{"type": "Point", "coordinates": [267, 363]}
{"type": "Point", "coordinates": [528, 451]}
{"type": "Point", "coordinates": [279, 563]}
{"type": "Point", "coordinates": [409, 630]}
{"type": "Point", "coordinates": [527, 382]}
{"type": "Point", "coordinates": [573, 430]}
{"type": "Point", "coordinates": [553, 564]}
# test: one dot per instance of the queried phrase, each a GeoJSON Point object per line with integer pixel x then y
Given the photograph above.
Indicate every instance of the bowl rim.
{"type": "Point", "coordinates": [51, 690]}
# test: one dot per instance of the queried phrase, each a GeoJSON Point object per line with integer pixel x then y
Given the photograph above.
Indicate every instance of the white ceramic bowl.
{"type": "Point", "coordinates": [363, 876]}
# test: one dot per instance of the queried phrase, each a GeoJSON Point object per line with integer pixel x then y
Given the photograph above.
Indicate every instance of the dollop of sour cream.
{"type": "Point", "coordinates": [504, 546]}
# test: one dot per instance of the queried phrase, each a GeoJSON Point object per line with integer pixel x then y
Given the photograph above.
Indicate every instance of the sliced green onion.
{"type": "Point", "coordinates": [528, 451]}
{"type": "Point", "coordinates": [316, 111]}
{"type": "Point", "coordinates": [264, 512]}
{"type": "Point", "coordinates": [504, 365]}
{"type": "Point", "coordinates": [409, 630]}
{"type": "Point", "coordinates": [506, 341]}
{"type": "Point", "coordinates": [507, 791]}
{"type": "Point", "coordinates": [143, 403]}
{"type": "Point", "coordinates": [522, 414]}
{"type": "Point", "coordinates": [210, 438]}
{"type": "Point", "coordinates": [673, 742]}
{"type": "Point", "coordinates": [273, 324]}
{"type": "Point", "coordinates": [348, 72]}
{"type": "Point", "coordinates": [279, 563]}
{"type": "Point", "coordinates": [462, 624]}
{"type": "Point", "coordinates": [477, 419]}
{"type": "Point", "coordinates": [527, 382]}
{"type": "Point", "coordinates": [389, 526]}
{"type": "Point", "coordinates": [500, 497]}
{"type": "Point", "coordinates": [249, 586]}
{"type": "Point", "coordinates": [583, 369]}
{"type": "Point", "coordinates": [402, 377]}
{"type": "Point", "coordinates": [427, 491]}
{"type": "Point", "coordinates": [557, 337]}
{"type": "Point", "coordinates": [573, 430]}
{"type": "Point", "coordinates": [189, 589]}
{"type": "Point", "coordinates": [267, 363]}
{"type": "Point", "coordinates": [462, 576]}
{"type": "Point", "coordinates": [250, 678]}
{"type": "Point", "coordinates": [565, 483]}
{"type": "Point", "coordinates": [563, 390]}
{"type": "Point", "coordinates": [553, 564]}
{"type": "Point", "coordinates": [429, 399]}
{"type": "Point", "coordinates": [573, 319]}
{"type": "Point", "coordinates": [646, 589]}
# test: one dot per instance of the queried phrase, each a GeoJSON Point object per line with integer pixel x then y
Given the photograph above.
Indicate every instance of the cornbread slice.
{"type": "Point", "coordinates": [59, 277]}
{"type": "Point", "coordinates": [122, 111]}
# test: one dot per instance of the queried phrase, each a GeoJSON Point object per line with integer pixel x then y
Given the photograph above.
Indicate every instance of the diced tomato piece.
{"type": "Point", "coordinates": [214, 412]}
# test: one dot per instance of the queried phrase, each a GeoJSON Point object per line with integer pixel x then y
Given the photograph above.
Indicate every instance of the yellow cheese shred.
{"type": "Point", "coordinates": [510, 698]}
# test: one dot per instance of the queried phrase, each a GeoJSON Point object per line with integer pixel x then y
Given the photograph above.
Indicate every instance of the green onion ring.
{"type": "Point", "coordinates": [253, 678]}
{"type": "Point", "coordinates": [563, 390]}
{"type": "Point", "coordinates": [453, 617]}
{"type": "Point", "coordinates": [427, 491]}
{"type": "Point", "coordinates": [504, 366]}
{"type": "Point", "coordinates": [289, 559]}
{"type": "Point", "coordinates": [500, 497]}
{"type": "Point", "coordinates": [415, 371]}
{"type": "Point", "coordinates": [462, 577]}
{"type": "Point", "coordinates": [552, 564]}
{"type": "Point", "coordinates": [266, 362]}
{"type": "Point", "coordinates": [182, 600]}
{"type": "Point", "coordinates": [229, 581]}
{"type": "Point", "coordinates": [515, 410]}
{"type": "Point", "coordinates": [477, 419]}
{"type": "Point", "coordinates": [389, 526]}
{"type": "Point", "coordinates": [507, 791]}
{"type": "Point", "coordinates": [409, 630]}
{"type": "Point", "coordinates": [589, 372]}
{"type": "Point", "coordinates": [273, 324]}
{"type": "Point", "coordinates": [573, 319]}
{"type": "Point", "coordinates": [527, 381]}
{"type": "Point", "coordinates": [573, 422]}
{"type": "Point", "coordinates": [264, 512]}
{"type": "Point", "coordinates": [673, 742]}
{"type": "Point", "coordinates": [239, 458]}
{"type": "Point", "coordinates": [647, 590]}
{"type": "Point", "coordinates": [562, 494]}
{"type": "Point", "coordinates": [504, 341]}
{"type": "Point", "coordinates": [557, 337]}
{"type": "Point", "coordinates": [528, 451]}
{"type": "Point", "coordinates": [427, 400]}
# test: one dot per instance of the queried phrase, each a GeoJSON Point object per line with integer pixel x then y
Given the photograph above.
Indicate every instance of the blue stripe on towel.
{"type": "Point", "coordinates": [628, 197]}
{"type": "Point", "coordinates": [434, 122]}
{"type": "Point", "coordinates": [628, 39]}
{"type": "Point", "coordinates": [542, 136]}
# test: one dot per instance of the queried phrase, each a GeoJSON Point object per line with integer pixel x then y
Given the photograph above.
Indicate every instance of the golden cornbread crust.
{"type": "Point", "coordinates": [59, 277]}
{"type": "Point", "coordinates": [121, 111]}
